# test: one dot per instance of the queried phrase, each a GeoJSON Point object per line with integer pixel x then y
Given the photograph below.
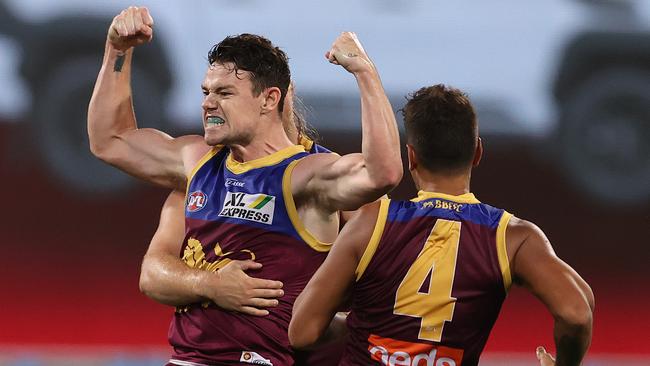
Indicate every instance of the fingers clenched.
{"type": "Point", "coordinates": [132, 27]}
{"type": "Point", "coordinates": [138, 25]}
{"type": "Point", "coordinates": [130, 21]}
{"type": "Point", "coordinates": [146, 17]}
{"type": "Point", "coordinates": [348, 52]}
{"type": "Point", "coordinates": [121, 27]}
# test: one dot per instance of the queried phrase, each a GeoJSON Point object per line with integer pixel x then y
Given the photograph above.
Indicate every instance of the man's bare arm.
{"type": "Point", "coordinates": [112, 129]}
{"type": "Point", "coordinates": [317, 304]}
{"type": "Point", "coordinates": [566, 295]}
{"type": "Point", "coordinates": [165, 278]}
{"type": "Point", "coordinates": [350, 181]}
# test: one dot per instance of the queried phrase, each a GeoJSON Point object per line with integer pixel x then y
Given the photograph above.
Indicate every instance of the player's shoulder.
{"type": "Point", "coordinates": [307, 168]}
{"type": "Point", "coordinates": [195, 151]}
{"type": "Point", "coordinates": [313, 162]}
{"type": "Point", "coordinates": [519, 226]}
{"type": "Point", "coordinates": [191, 141]}
{"type": "Point", "coordinates": [364, 223]}
{"type": "Point", "coordinates": [520, 231]}
{"type": "Point", "coordinates": [369, 212]}
{"type": "Point", "coordinates": [193, 147]}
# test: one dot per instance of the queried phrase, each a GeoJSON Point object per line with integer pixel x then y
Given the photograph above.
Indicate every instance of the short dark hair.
{"type": "Point", "coordinates": [441, 126]}
{"type": "Point", "coordinates": [267, 64]}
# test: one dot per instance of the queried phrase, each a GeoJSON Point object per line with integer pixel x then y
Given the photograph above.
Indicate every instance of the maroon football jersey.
{"type": "Point", "coordinates": [430, 283]}
{"type": "Point", "coordinates": [239, 211]}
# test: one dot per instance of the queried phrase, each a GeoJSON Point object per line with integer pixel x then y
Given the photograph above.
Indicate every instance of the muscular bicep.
{"type": "Point", "coordinates": [339, 182]}
{"type": "Point", "coordinates": [536, 267]}
{"type": "Point", "coordinates": [154, 156]}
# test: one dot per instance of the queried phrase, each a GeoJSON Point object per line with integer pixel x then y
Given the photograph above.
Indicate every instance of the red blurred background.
{"type": "Point", "coordinates": [562, 89]}
{"type": "Point", "coordinates": [71, 263]}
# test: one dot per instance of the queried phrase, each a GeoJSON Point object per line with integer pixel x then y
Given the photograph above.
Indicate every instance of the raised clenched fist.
{"type": "Point", "coordinates": [132, 27]}
{"type": "Point", "coordinates": [348, 52]}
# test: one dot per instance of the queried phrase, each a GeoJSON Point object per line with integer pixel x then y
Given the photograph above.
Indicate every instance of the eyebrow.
{"type": "Point", "coordinates": [219, 88]}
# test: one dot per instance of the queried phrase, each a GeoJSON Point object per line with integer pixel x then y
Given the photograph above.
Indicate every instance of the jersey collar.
{"type": "Point", "coordinates": [463, 198]}
{"type": "Point", "coordinates": [272, 159]}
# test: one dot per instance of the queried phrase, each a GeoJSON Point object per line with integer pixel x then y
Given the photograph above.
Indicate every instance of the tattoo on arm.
{"type": "Point", "coordinates": [119, 62]}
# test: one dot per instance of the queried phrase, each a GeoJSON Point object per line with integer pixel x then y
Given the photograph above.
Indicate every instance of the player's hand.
{"type": "Point", "coordinates": [348, 52]}
{"type": "Point", "coordinates": [132, 27]}
{"type": "Point", "coordinates": [239, 292]}
{"type": "Point", "coordinates": [545, 359]}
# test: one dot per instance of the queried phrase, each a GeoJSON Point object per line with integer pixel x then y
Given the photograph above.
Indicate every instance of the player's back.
{"type": "Point", "coordinates": [430, 283]}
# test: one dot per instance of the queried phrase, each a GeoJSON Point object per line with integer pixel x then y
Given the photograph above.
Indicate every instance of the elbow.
{"type": "Point", "coordinates": [589, 295]}
{"type": "Point", "coordinates": [144, 284]}
{"type": "Point", "coordinates": [99, 148]}
{"type": "Point", "coordinates": [388, 180]}
{"type": "Point", "coordinates": [394, 176]}
{"type": "Point", "coordinates": [580, 313]}
{"type": "Point", "coordinates": [103, 146]}
{"type": "Point", "coordinates": [300, 335]}
{"type": "Point", "coordinates": [146, 280]}
{"type": "Point", "coordinates": [107, 152]}
{"type": "Point", "coordinates": [578, 316]}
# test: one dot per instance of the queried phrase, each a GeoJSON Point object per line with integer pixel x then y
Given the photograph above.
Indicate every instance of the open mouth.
{"type": "Point", "coordinates": [214, 121]}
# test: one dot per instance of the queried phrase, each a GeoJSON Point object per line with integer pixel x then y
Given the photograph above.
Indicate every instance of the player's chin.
{"type": "Point", "coordinates": [213, 139]}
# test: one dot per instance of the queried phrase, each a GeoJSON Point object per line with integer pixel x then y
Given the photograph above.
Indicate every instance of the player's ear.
{"type": "Point", "coordinates": [478, 153]}
{"type": "Point", "coordinates": [271, 99]}
{"type": "Point", "coordinates": [413, 160]}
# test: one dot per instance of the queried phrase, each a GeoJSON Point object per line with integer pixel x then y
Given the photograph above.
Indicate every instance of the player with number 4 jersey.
{"type": "Point", "coordinates": [435, 269]}
{"type": "Point", "coordinates": [426, 278]}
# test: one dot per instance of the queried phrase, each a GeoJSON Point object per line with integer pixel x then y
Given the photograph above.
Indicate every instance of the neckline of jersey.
{"type": "Point", "coordinates": [271, 159]}
{"type": "Point", "coordinates": [463, 198]}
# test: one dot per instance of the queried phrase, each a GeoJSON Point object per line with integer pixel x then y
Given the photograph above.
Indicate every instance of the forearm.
{"type": "Point", "coordinates": [571, 341]}
{"type": "Point", "coordinates": [307, 323]}
{"type": "Point", "coordinates": [336, 330]}
{"type": "Point", "coordinates": [145, 153]}
{"type": "Point", "coordinates": [166, 279]}
{"type": "Point", "coordinates": [110, 112]}
{"type": "Point", "coordinates": [380, 136]}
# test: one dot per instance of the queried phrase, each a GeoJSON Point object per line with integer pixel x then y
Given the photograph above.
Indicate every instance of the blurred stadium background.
{"type": "Point", "coordinates": [563, 93]}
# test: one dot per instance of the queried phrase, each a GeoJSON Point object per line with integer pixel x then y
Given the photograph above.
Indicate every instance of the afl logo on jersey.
{"type": "Point", "coordinates": [196, 201]}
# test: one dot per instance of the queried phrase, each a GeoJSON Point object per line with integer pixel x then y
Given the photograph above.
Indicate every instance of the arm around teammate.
{"type": "Point", "coordinates": [168, 280]}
